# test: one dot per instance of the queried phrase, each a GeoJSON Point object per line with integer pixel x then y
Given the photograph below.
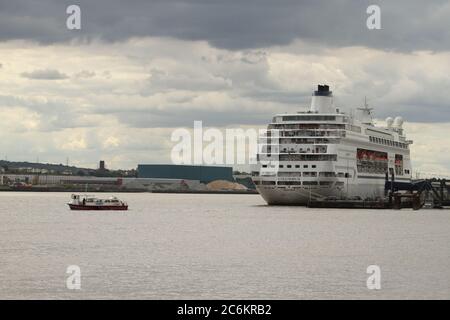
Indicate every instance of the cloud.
{"type": "Point", "coordinates": [120, 100]}
{"type": "Point", "coordinates": [46, 74]}
{"type": "Point", "coordinates": [407, 25]}
{"type": "Point", "coordinates": [85, 74]}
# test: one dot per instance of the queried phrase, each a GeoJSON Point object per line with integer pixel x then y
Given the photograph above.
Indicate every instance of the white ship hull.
{"type": "Point", "coordinates": [274, 195]}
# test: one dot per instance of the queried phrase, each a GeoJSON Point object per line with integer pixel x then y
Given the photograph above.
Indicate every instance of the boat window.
{"type": "Point", "coordinates": [308, 118]}
{"type": "Point", "coordinates": [308, 157]}
{"type": "Point", "coordinates": [288, 183]}
{"type": "Point", "coordinates": [327, 174]}
{"type": "Point", "coordinates": [310, 174]}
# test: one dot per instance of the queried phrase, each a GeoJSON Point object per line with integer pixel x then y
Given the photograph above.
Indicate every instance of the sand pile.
{"type": "Point", "coordinates": [225, 185]}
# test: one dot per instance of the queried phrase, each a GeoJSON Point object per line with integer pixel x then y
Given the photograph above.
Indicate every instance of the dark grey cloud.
{"type": "Point", "coordinates": [235, 24]}
{"type": "Point", "coordinates": [45, 74]}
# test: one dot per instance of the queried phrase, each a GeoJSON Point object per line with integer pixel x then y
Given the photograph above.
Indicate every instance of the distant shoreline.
{"type": "Point", "coordinates": [132, 191]}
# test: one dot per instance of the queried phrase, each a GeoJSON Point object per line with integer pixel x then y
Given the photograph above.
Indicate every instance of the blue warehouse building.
{"type": "Point", "coordinates": [204, 174]}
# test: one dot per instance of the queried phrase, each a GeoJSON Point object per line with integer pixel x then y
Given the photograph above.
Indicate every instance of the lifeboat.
{"type": "Point", "coordinates": [87, 202]}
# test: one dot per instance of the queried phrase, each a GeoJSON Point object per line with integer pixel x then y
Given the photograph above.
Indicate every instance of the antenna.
{"type": "Point", "coordinates": [366, 106]}
{"type": "Point", "coordinates": [366, 112]}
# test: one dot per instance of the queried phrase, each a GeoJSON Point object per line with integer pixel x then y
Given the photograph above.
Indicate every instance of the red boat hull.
{"type": "Point", "coordinates": [84, 207]}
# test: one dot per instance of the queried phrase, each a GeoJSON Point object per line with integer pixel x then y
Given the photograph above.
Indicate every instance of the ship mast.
{"type": "Point", "coordinates": [366, 113]}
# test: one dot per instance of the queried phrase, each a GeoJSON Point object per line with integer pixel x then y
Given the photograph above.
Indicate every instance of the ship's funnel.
{"type": "Point", "coordinates": [322, 100]}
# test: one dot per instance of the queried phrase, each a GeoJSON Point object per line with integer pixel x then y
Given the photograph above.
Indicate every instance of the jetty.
{"type": "Point", "coordinates": [417, 194]}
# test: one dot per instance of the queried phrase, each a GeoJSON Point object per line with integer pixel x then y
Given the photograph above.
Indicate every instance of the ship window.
{"type": "Point", "coordinates": [309, 118]}
{"type": "Point", "coordinates": [264, 166]}
{"type": "Point", "coordinates": [289, 166]}
{"type": "Point", "coordinates": [297, 166]}
{"type": "Point", "coordinates": [313, 166]}
{"type": "Point", "coordinates": [310, 183]}
{"type": "Point", "coordinates": [305, 166]}
{"type": "Point", "coordinates": [310, 174]}
{"type": "Point", "coordinates": [288, 183]}
{"type": "Point", "coordinates": [281, 166]}
{"type": "Point", "coordinates": [327, 174]}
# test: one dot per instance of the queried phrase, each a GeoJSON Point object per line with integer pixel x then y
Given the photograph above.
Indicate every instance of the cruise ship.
{"type": "Point", "coordinates": [324, 153]}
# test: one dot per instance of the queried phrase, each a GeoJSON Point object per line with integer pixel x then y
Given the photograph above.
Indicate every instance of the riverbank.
{"type": "Point", "coordinates": [118, 190]}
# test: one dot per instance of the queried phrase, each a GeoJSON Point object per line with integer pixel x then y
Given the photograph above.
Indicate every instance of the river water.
{"type": "Point", "coordinates": [183, 246]}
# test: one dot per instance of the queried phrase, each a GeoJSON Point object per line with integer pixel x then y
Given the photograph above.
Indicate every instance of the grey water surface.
{"type": "Point", "coordinates": [197, 246]}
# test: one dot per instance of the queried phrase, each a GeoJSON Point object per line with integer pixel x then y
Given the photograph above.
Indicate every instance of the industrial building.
{"type": "Point", "coordinates": [204, 174]}
{"type": "Point", "coordinates": [151, 178]}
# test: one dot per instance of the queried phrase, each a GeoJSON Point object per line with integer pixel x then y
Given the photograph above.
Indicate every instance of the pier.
{"type": "Point", "coordinates": [417, 194]}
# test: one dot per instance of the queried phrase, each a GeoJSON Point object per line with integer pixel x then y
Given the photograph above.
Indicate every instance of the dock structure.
{"type": "Point", "coordinates": [426, 193]}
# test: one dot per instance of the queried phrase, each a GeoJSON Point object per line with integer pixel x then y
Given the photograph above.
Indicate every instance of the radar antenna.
{"type": "Point", "coordinates": [366, 112]}
{"type": "Point", "coordinates": [366, 107]}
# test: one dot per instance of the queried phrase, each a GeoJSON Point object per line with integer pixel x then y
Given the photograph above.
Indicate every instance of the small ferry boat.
{"type": "Point", "coordinates": [88, 202]}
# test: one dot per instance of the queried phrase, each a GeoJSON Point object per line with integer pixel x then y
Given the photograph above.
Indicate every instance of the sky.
{"type": "Point", "coordinates": [137, 70]}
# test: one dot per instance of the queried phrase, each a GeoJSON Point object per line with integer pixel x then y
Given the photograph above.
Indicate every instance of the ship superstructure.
{"type": "Point", "coordinates": [324, 152]}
